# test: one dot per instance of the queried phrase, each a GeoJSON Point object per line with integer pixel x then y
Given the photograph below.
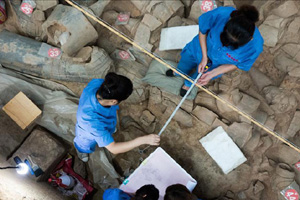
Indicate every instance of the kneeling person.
{"type": "Point", "coordinates": [97, 117]}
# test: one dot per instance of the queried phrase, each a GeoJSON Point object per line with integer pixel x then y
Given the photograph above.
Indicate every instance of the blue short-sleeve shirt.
{"type": "Point", "coordinates": [212, 23]}
{"type": "Point", "coordinates": [95, 123]}
{"type": "Point", "coordinates": [115, 194]}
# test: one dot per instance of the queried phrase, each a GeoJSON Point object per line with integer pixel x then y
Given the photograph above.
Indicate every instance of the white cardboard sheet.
{"type": "Point", "coordinates": [223, 150]}
{"type": "Point", "coordinates": [177, 37]}
{"type": "Point", "coordinates": [160, 170]}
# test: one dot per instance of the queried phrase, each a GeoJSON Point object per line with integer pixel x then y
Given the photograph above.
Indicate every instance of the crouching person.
{"type": "Point", "coordinates": [97, 117]}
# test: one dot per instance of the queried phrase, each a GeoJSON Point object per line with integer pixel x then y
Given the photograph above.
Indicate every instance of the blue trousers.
{"type": "Point", "coordinates": [188, 62]}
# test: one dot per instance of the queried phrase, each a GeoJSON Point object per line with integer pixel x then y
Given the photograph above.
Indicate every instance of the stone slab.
{"type": "Point", "coordinates": [223, 150]}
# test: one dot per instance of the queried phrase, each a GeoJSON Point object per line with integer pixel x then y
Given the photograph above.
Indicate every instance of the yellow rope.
{"type": "Point", "coordinates": [120, 34]}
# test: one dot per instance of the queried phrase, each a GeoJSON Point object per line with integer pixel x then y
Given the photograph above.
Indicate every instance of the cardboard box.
{"type": "Point", "coordinates": [22, 110]}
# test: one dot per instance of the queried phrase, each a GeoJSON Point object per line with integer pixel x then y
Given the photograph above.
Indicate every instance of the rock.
{"type": "Point", "coordinates": [229, 3]}
{"type": "Point", "coordinates": [283, 154]}
{"type": "Point", "coordinates": [295, 125]}
{"type": "Point", "coordinates": [294, 26]}
{"type": "Point", "coordinates": [175, 21]}
{"type": "Point", "coordinates": [252, 144]}
{"type": "Point", "coordinates": [284, 176]}
{"type": "Point", "coordinates": [281, 100]}
{"type": "Point", "coordinates": [38, 15]}
{"type": "Point", "coordinates": [240, 133]}
{"type": "Point", "coordinates": [181, 116]}
{"type": "Point", "coordinates": [151, 22]}
{"type": "Point", "coordinates": [284, 63]}
{"type": "Point", "coordinates": [270, 123]}
{"type": "Point", "coordinates": [273, 21]}
{"type": "Point", "coordinates": [155, 102]}
{"type": "Point", "coordinates": [260, 116]}
{"type": "Point", "coordinates": [147, 118]}
{"type": "Point", "coordinates": [260, 79]}
{"type": "Point", "coordinates": [258, 187]}
{"type": "Point", "coordinates": [195, 11]}
{"type": "Point", "coordinates": [83, 55]}
{"type": "Point", "coordinates": [60, 22]}
{"type": "Point", "coordinates": [163, 11]}
{"type": "Point", "coordinates": [205, 100]}
{"type": "Point", "coordinates": [44, 150]}
{"type": "Point", "coordinates": [248, 104]}
{"type": "Point", "coordinates": [218, 123]}
{"type": "Point", "coordinates": [142, 36]}
{"type": "Point", "coordinates": [269, 34]}
{"type": "Point", "coordinates": [26, 58]}
{"type": "Point", "coordinates": [187, 105]}
{"type": "Point", "coordinates": [99, 7]}
{"type": "Point", "coordinates": [45, 5]}
{"type": "Point", "coordinates": [142, 5]}
{"type": "Point", "coordinates": [287, 9]}
{"type": "Point", "coordinates": [291, 49]}
{"type": "Point", "coordinates": [11, 135]}
{"type": "Point", "coordinates": [204, 115]}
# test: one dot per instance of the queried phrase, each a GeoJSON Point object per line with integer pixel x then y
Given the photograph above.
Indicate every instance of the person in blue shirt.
{"type": "Point", "coordinates": [97, 117]}
{"type": "Point", "coordinates": [179, 192]}
{"type": "Point", "coordinates": [228, 38]}
{"type": "Point", "coordinates": [146, 192]}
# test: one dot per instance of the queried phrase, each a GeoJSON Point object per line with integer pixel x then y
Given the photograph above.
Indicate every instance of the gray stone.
{"type": "Point", "coordinates": [218, 123]}
{"type": "Point", "coordinates": [248, 104]}
{"type": "Point", "coordinates": [44, 150]}
{"type": "Point", "coordinates": [175, 21]}
{"type": "Point", "coordinates": [44, 5]}
{"type": "Point", "coordinates": [240, 133]}
{"type": "Point", "coordinates": [295, 125]}
{"type": "Point", "coordinates": [11, 135]}
{"type": "Point", "coordinates": [151, 22]}
{"type": "Point", "coordinates": [287, 9]}
{"type": "Point", "coordinates": [204, 115]}
{"type": "Point", "coordinates": [205, 100]}
{"type": "Point", "coordinates": [147, 118]}
{"type": "Point", "coordinates": [164, 11]}
{"type": "Point", "coordinates": [273, 21]}
{"type": "Point", "coordinates": [181, 116]}
{"type": "Point", "coordinates": [291, 49]}
{"type": "Point", "coordinates": [253, 143]}
{"type": "Point", "coordinates": [294, 26]}
{"type": "Point", "coordinates": [195, 11]}
{"type": "Point", "coordinates": [38, 15]}
{"type": "Point", "coordinates": [269, 34]}
{"type": "Point", "coordinates": [281, 100]}
{"type": "Point", "coordinates": [283, 154]}
{"type": "Point", "coordinates": [187, 105]}
{"type": "Point", "coordinates": [260, 116]}
{"type": "Point", "coordinates": [142, 36]}
{"type": "Point", "coordinates": [222, 107]}
{"type": "Point", "coordinates": [270, 123]}
{"type": "Point", "coordinates": [284, 63]}
{"type": "Point", "coordinates": [99, 7]}
{"type": "Point", "coordinates": [66, 19]}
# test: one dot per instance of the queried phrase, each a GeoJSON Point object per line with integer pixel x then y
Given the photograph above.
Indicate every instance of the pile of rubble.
{"type": "Point", "coordinates": [270, 92]}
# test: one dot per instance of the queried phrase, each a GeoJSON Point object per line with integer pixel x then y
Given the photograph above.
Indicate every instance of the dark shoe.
{"type": "Point", "coordinates": [183, 92]}
{"type": "Point", "coordinates": [170, 73]}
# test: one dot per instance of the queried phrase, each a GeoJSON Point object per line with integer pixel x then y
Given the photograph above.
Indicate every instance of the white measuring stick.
{"type": "Point", "coordinates": [180, 103]}
{"type": "Point", "coordinates": [176, 109]}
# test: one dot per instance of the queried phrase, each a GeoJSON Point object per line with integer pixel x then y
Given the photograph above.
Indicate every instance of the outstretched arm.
{"type": "Point", "coordinates": [122, 147]}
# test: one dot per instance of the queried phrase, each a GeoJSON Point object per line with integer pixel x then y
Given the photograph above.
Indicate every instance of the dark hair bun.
{"type": "Point", "coordinates": [248, 11]}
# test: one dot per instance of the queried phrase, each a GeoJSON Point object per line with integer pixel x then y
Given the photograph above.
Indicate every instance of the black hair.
{"type": "Point", "coordinates": [146, 192]}
{"type": "Point", "coordinates": [178, 192]}
{"type": "Point", "coordinates": [115, 87]}
{"type": "Point", "coordinates": [240, 28]}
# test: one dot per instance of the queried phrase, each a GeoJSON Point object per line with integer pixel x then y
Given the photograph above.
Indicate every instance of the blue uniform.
{"type": "Point", "coordinates": [212, 23]}
{"type": "Point", "coordinates": [95, 123]}
{"type": "Point", "coordinates": [115, 194]}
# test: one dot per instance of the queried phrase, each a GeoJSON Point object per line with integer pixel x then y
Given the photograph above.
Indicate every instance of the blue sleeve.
{"type": "Point", "coordinates": [249, 61]}
{"type": "Point", "coordinates": [115, 194]}
{"type": "Point", "coordinates": [209, 19]}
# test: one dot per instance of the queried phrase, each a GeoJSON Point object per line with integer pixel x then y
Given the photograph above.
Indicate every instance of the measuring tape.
{"type": "Point", "coordinates": [160, 60]}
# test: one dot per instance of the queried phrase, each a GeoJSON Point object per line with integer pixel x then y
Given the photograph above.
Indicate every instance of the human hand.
{"type": "Point", "coordinates": [202, 65]}
{"type": "Point", "coordinates": [151, 139]}
{"type": "Point", "coordinates": [205, 78]}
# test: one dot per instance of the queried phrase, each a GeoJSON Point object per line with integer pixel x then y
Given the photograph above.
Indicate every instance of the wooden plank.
{"type": "Point", "coordinates": [22, 110]}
